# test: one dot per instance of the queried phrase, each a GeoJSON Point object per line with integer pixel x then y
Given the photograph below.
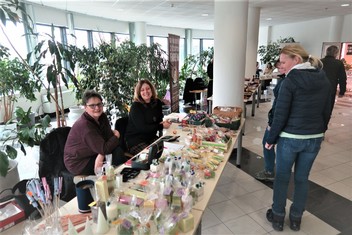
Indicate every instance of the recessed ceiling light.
{"type": "Point", "coordinates": [345, 5]}
{"type": "Point", "coordinates": [269, 18]}
{"type": "Point", "coordinates": [205, 14]}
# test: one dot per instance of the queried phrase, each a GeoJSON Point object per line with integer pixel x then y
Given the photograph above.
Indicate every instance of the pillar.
{"type": "Point", "coordinates": [71, 29]}
{"type": "Point", "coordinates": [188, 42]}
{"type": "Point", "coordinates": [252, 41]}
{"type": "Point", "coordinates": [230, 41]}
{"type": "Point", "coordinates": [335, 31]}
{"type": "Point", "coordinates": [140, 33]}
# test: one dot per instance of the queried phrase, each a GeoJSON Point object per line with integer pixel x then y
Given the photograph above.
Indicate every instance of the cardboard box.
{"type": "Point", "coordinates": [11, 214]}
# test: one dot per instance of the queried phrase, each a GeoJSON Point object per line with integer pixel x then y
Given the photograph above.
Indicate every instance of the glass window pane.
{"type": "Point", "coordinates": [99, 37]}
{"type": "Point", "coordinates": [81, 38]}
{"type": "Point", "coordinates": [16, 37]}
{"type": "Point", "coordinates": [195, 46]}
{"type": "Point", "coordinates": [207, 44]}
{"type": "Point", "coordinates": [162, 42]}
{"type": "Point", "coordinates": [120, 38]}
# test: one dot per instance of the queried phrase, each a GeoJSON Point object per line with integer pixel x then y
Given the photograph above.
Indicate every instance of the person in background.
{"type": "Point", "coordinates": [269, 154]}
{"type": "Point", "coordinates": [91, 138]}
{"type": "Point", "coordinates": [210, 72]}
{"type": "Point", "coordinates": [258, 70]}
{"type": "Point", "coordinates": [301, 117]}
{"type": "Point", "coordinates": [145, 118]}
{"type": "Point", "coordinates": [267, 71]}
{"type": "Point", "coordinates": [335, 70]}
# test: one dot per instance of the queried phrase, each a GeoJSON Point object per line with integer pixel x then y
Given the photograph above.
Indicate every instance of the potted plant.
{"type": "Point", "coordinates": [270, 53]}
{"type": "Point", "coordinates": [15, 81]}
{"type": "Point", "coordinates": [114, 70]}
{"type": "Point", "coordinates": [28, 134]}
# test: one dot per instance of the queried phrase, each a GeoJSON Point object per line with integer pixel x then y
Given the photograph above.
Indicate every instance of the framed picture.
{"type": "Point", "coordinates": [327, 44]}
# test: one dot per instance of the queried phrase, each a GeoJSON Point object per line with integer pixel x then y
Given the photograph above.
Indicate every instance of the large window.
{"type": "Point", "coordinates": [120, 38]}
{"type": "Point", "coordinates": [195, 46]}
{"type": "Point", "coordinates": [100, 37]}
{"type": "Point", "coordinates": [81, 38]}
{"type": "Point", "coordinates": [207, 44]}
{"type": "Point", "coordinates": [16, 37]}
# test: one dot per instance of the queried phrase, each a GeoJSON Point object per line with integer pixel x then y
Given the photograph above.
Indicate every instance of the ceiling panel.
{"type": "Point", "coordinates": [187, 13]}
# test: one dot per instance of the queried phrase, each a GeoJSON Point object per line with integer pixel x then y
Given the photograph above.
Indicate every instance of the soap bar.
{"type": "Point", "coordinates": [101, 188]}
{"type": "Point", "coordinates": [138, 194]}
{"type": "Point", "coordinates": [186, 224]}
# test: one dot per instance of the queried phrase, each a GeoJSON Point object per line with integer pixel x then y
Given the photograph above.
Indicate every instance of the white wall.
{"type": "Point", "coordinates": [310, 34]}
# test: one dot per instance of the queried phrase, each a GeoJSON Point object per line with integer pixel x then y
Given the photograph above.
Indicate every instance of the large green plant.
{"type": "Point", "coordinates": [196, 65]}
{"type": "Point", "coordinates": [270, 53]}
{"type": "Point", "coordinates": [114, 70]}
{"type": "Point", "coordinates": [15, 81]}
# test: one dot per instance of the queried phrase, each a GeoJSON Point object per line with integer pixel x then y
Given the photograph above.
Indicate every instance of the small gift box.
{"type": "Point", "coordinates": [186, 224]}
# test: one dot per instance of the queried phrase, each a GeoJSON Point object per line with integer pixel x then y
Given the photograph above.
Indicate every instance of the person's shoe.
{"type": "Point", "coordinates": [295, 223]}
{"type": "Point", "coordinates": [276, 221]}
{"type": "Point", "coordinates": [265, 175]}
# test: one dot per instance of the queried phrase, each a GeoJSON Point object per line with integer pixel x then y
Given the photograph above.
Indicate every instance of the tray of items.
{"type": "Point", "coordinates": [195, 118]}
{"type": "Point", "coordinates": [227, 116]}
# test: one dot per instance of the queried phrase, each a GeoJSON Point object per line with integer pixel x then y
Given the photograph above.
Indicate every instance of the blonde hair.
{"type": "Point", "coordinates": [296, 50]}
{"type": "Point", "coordinates": [137, 90]}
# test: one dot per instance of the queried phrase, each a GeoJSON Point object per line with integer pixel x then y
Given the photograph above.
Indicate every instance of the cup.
{"type": "Point", "coordinates": [84, 196]}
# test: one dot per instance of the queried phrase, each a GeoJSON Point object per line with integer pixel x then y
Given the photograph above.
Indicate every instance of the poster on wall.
{"type": "Point", "coordinates": [327, 44]}
{"type": "Point", "coordinates": [174, 45]}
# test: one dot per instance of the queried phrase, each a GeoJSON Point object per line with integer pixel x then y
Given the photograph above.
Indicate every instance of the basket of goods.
{"type": "Point", "coordinates": [227, 116]}
{"type": "Point", "coordinates": [196, 118]}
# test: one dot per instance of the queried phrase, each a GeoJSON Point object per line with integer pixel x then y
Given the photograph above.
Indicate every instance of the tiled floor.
{"type": "Point", "coordinates": [239, 204]}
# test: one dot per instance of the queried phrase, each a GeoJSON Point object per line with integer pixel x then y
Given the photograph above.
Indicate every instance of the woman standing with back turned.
{"type": "Point", "coordinates": [301, 118]}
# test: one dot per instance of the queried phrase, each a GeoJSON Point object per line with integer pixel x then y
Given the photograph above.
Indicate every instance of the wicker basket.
{"type": "Point", "coordinates": [228, 111]}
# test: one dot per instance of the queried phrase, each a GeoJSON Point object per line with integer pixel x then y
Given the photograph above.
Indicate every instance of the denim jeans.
{"type": "Point", "coordinates": [269, 155]}
{"type": "Point", "coordinates": [301, 153]}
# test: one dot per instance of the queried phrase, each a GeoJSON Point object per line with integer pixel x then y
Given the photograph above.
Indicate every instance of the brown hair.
{"type": "Point", "coordinates": [137, 90]}
{"type": "Point", "coordinates": [90, 94]}
{"type": "Point", "coordinates": [296, 50]}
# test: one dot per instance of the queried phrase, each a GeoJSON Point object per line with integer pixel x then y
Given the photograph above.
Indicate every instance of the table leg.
{"type": "Point", "coordinates": [254, 95]}
{"type": "Point", "coordinates": [258, 96]}
{"type": "Point", "coordinates": [239, 148]}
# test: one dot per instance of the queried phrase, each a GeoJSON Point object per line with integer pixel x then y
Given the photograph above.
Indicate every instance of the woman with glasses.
{"type": "Point", "coordinates": [145, 118]}
{"type": "Point", "coordinates": [91, 138]}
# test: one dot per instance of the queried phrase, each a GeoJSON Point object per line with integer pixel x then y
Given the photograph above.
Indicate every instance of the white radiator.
{"type": "Point", "coordinates": [68, 97]}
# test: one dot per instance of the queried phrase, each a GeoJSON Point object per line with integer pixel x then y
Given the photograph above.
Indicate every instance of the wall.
{"type": "Point", "coordinates": [310, 34]}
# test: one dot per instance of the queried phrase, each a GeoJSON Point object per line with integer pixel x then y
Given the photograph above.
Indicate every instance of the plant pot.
{"type": "Point", "coordinates": [10, 179]}
{"type": "Point", "coordinates": [75, 113]}
{"type": "Point", "coordinates": [8, 131]}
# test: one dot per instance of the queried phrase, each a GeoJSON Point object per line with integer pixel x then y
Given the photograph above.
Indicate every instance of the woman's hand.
{"type": "Point", "coordinates": [268, 146]}
{"type": "Point", "coordinates": [99, 161]}
{"type": "Point", "coordinates": [166, 124]}
{"type": "Point", "coordinates": [116, 133]}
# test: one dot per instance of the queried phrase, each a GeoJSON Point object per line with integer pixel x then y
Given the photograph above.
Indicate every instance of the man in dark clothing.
{"type": "Point", "coordinates": [335, 71]}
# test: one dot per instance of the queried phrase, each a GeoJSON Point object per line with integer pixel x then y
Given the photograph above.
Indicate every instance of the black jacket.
{"type": "Point", "coordinates": [276, 94]}
{"type": "Point", "coordinates": [144, 122]}
{"type": "Point", "coordinates": [303, 104]}
{"type": "Point", "coordinates": [335, 70]}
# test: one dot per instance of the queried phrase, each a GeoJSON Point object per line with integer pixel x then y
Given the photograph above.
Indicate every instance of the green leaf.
{"type": "Point", "coordinates": [4, 164]}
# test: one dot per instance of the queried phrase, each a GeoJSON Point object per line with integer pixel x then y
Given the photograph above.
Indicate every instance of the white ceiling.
{"type": "Point", "coordinates": [188, 13]}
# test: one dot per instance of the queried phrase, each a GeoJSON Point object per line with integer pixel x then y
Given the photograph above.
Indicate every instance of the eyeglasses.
{"type": "Point", "coordinates": [94, 106]}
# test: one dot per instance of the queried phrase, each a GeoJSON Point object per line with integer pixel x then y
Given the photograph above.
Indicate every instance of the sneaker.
{"type": "Point", "coordinates": [265, 175]}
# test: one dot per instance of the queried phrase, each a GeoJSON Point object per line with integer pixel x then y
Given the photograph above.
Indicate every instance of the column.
{"type": "Point", "coordinates": [188, 42]}
{"type": "Point", "coordinates": [71, 29]}
{"type": "Point", "coordinates": [252, 41]}
{"type": "Point", "coordinates": [230, 41]}
{"type": "Point", "coordinates": [140, 33]}
{"type": "Point", "coordinates": [31, 40]}
{"type": "Point", "coordinates": [335, 31]}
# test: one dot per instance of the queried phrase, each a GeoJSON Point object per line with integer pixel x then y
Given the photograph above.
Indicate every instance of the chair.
{"type": "Point", "coordinates": [51, 162]}
{"type": "Point", "coordinates": [187, 96]}
{"type": "Point", "coordinates": [121, 125]}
